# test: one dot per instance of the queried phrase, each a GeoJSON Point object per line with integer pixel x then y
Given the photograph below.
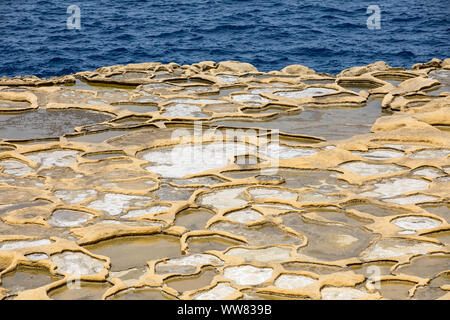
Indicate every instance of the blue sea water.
{"type": "Point", "coordinates": [327, 36]}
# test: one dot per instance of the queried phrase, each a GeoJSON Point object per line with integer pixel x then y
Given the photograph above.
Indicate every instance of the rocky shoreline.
{"type": "Point", "coordinates": [217, 181]}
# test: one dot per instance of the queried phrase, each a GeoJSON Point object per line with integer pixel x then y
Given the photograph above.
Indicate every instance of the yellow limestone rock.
{"type": "Point", "coordinates": [446, 64]}
{"type": "Point", "coordinates": [414, 85]}
{"type": "Point", "coordinates": [297, 69]}
{"type": "Point", "coordinates": [433, 63]}
{"type": "Point", "coordinates": [235, 67]}
{"type": "Point", "coordinates": [216, 181]}
{"type": "Point", "coordinates": [357, 71]}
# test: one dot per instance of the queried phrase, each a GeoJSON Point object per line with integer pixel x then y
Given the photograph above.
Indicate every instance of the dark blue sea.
{"type": "Point", "coordinates": [327, 36]}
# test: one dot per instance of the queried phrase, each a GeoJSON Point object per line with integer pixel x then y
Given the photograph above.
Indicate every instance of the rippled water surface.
{"type": "Point", "coordinates": [327, 36]}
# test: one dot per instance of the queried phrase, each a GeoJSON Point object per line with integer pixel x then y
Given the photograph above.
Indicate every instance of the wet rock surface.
{"type": "Point", "coordinates": [216, 181]}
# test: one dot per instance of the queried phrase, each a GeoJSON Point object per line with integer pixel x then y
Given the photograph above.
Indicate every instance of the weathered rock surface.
{"type": "Point", "coordinates": [222, 182]}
